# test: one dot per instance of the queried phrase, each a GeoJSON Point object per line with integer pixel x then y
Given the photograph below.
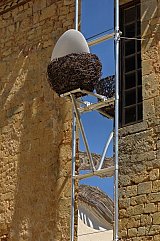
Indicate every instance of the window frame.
{"type": "Point", "coordinates": [137, 88]}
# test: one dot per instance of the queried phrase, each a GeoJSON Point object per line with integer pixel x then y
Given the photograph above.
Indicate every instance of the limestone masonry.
{"type": "Point", "coordinates": [139, 179]}
{"type": "Point", "coordinates": [35, 124]}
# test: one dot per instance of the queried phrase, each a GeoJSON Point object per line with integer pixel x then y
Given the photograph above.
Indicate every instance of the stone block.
{"type": "Point", "coordinates": [150, 86]}
{"type": "Point", "coordinates": [123, 224]}
{"type": "Point", "coordinates": [3, 68]}
{"type": "Point", "coordinates": [153, 230]}
{"type": "Point", "coordinates": [154, 197]}
{"type": "Point", "coordinates": [124, 203]}
{"type": "Point", "coordinates": [133, 222]}
{"type": "Point", "coordinates": [146, 220]}
{"type": "Point", "coordinates": [39, 5]}
{"type": "Point", "coordinates": [48, 12]}
{"type": "Point", "coordinates": [141, 231]}
{"type": "Point", "coordinates": [144, 188]}
{"type": "Point", "coordinates": [131, 191]}
{"type": "Point", "coordinates": [48, 43]}
{"type": "Point", "coordinates": [132, 129]}
{"type": "Point", "coordinates": [139, 143]}
{"type": "Point", "coordinates": [123, 234]}
{"type": "Point", "coordinates": [157, 104]}
{"type": "Point", "coordinates": [154, 174]}
{"type": "Point", "coordinates": [142, 177]}
{"type": "Point", "coordinates": [157, 237]}
{"type": "Point", "coordinates": [132, 232]}
{"type": "Point", "coordinates": [149, 109]}
{"type": "Point", "coordinates": [156, 218]}
{"type": "Point", "coordinates": [156, 186]}
{"type": "Point", "coordinates": [123, 213]}
{"type": "Point", "coordinates": [122, 192]}
{"type": "Point", "coordinates": [140, 199]}
{"type": "Point", "coordinates": [147, 67]}
{"type": "Point", "coordinates": [150, 208]}
{"type": "Point", "coordinates": [135, 210]}
{"type": "Point", "coordinates": [124, 180]}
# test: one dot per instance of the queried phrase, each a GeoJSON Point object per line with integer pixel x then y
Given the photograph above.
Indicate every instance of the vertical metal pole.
{"type": "Point", "coordinates": [76, 14]}
{"type": "Point", "coordinates": [73, 146]}
{"type": "Point", "coordinates": [117, 38]}
{"type": "Point", "coordinates": [73, 172]}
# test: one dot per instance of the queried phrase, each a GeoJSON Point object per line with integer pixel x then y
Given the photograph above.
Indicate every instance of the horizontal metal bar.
{"type": "Point", "coordinates": [70, 92]}
{"type": "Point", "coordinates": [102, 97]}
{"type": "Point", "coordinates": [96, 106]}
{"type": "Point", "coordinates": [99, 110]}
{"type": "Point", "coordinates": [138, 39]}
{"type": "Point", "coordinates": [83, 92]}
{"type": "Point", "coordinates": [101, 39]}
{"type": "Point", "coordinates": [109, 172]}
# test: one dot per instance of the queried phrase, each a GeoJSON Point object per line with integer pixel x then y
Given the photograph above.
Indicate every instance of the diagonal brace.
{"type": "Point", "coordinates": [83, 133]}
{"type": "Point", "coordinates": [104, 151]}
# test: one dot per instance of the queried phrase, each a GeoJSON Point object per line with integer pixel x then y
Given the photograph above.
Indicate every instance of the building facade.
{"type": "Point", "coordinates": [139, 171]}
{"type": "Point", "coordinates": [35, 124]}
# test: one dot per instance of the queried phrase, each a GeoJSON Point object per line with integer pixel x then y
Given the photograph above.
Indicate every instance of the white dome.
{"type": "Point", "coordinates": [72, 41]}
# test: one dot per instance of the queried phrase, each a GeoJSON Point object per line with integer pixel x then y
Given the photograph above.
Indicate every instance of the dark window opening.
{"type": "Point", "coordinates": [130, 80]}
{"type": "Point", "coordinates": [130, 47]}
{"type": "Point", "coordinates": [131, 107]}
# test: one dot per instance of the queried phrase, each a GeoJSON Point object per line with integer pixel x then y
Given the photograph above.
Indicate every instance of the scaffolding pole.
{"type": "Point", "coordinates": [76, 14]}
{"type": "Point", "coordinates": [73, 148]}
{"type": "Point", "coordinates": [100, 39]}
{"type": "Point", "coordinates": [117, 39]}
{"type": "Point", "coordinates": [73, 172]}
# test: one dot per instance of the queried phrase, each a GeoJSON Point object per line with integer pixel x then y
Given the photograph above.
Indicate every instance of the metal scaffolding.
{"type": "Point", "coordinates": [80, 107]}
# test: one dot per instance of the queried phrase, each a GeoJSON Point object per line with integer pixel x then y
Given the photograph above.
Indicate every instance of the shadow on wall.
{"type": "Point", "coordinates": [150, 24]}
{"type": "Point", "coordinates": [32, 145]}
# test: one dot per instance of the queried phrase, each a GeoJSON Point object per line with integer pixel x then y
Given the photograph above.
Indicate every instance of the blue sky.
{"type": "Point", "coordinates": [96, 17]}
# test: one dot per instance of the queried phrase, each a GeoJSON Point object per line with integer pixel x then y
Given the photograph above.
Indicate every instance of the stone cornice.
{"type": "Point", "coordinates": [84, 162]}
{"type": "Point", "coordinates": [98, 200]}
{"type": "Point", "coordinates": [9, 5]}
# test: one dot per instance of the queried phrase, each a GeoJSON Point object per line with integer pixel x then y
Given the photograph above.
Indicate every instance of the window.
{"type": "Point", "coordinates": [131, 71]}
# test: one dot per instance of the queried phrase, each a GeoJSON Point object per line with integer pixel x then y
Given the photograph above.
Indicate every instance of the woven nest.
{"type": "Point", "coordinates": [106, 87]}
{"type": "Point", "coordinates": [74, 71]}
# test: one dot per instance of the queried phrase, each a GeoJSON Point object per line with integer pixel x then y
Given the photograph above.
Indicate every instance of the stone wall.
{"type": "Point", "coordinates": [35, 124]}
{"type": "Point", "coordinates": [139, 180]}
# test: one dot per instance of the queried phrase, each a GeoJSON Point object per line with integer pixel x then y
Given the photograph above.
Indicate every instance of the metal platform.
{"type": "Point", "coordinates": [86, 106]}
{"type": "Point", "coordinates": [107, 172]}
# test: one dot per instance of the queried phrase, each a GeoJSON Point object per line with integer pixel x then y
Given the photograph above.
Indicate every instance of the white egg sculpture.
{"type": "Point", "coordinates": [72, 41]}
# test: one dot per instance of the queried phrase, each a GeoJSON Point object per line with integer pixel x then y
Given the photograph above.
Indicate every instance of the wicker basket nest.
{"type": "Point", "coordinates": [106, 87]}
{"type": "Point", "coordinates": [74, 71]}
